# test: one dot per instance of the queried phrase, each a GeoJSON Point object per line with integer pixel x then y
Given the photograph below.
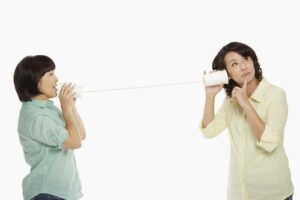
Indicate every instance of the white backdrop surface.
{"type": "Point", "coordinates": [144, 144]}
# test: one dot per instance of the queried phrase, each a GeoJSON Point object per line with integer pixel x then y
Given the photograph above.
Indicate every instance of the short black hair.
{"type": "Point", "coordinates": [28, 73]}
{"type": "Point", "coordinates": [242, 49]}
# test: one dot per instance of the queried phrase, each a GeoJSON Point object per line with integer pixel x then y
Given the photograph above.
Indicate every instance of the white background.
{"type": "Point", "coordinates": [145, 144]}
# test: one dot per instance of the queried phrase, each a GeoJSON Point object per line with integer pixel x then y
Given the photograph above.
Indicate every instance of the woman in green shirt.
{"type": "Point", "coordinates": [48, 136]}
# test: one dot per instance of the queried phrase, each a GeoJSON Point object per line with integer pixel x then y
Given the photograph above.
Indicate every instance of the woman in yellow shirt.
{"type": "Point", "coordinates": [255, 113]}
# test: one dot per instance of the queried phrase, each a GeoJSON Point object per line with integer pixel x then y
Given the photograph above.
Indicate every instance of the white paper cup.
{"type": "Point", "coordinates": [77, 89]}
{"type": "Point", "coordinates": [215, 78]}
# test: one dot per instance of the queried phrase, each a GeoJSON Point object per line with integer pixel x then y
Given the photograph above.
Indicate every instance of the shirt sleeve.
{"type": "Point", "coordinates": [47, 131]}
{"type": "Point", "coordinates": [276, 119]}
{"type": "Point", "coordinates": [218, 124]}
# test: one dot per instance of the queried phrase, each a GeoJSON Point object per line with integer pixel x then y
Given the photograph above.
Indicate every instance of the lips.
{"type": "Point", "coordinates": [246, 74]}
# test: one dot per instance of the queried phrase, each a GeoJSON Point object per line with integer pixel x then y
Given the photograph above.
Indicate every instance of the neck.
{"type": "Point", "coordinates": [251, 86]}
{"type": "Point", "coordinates": [40, 97]}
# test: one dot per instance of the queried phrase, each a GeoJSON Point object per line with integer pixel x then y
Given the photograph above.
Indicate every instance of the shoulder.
{"type": "Point", "coordinates": [30, 112]}
{"type": "Point", "coordinates": [274, 94]}
{"type": "Point", "coordinates": [267, 89]}
{"type": "Point", "coordinates": [275, 91]}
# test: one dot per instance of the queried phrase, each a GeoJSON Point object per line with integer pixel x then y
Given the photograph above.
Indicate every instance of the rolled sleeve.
{"type": "Point", "coordinates": [269, 139]}
{"type": "Point", "coordinates": [276, 119]}
{"type": "Point", "coordinates": [219, 123]}
{"type": "Point", "coordinates": [47, 131]}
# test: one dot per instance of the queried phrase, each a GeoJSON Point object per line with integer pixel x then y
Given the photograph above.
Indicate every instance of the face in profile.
{"type": "Point", "coordinates": [47, 86]}
{"type": "Point", "coordinates": [239, 68]}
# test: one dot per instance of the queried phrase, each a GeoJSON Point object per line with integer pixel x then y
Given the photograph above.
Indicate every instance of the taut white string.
{"type": "Point", "coordinates": [141, 87]}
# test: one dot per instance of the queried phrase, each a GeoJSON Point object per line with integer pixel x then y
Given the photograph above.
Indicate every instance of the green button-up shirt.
{"type": "Point", "coordinates": [53, 169]}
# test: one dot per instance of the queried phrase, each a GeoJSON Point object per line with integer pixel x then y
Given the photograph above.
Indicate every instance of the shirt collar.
{"type": "Point", "coordinates": [38, 103]}
{"type": "Point", "coordinates": [259, 92]}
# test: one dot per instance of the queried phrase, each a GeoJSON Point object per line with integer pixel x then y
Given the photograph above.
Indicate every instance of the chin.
{"type": "Point", "coordinates": [50, 96]}
{"type": "Point", "coordinates": [251, 78]}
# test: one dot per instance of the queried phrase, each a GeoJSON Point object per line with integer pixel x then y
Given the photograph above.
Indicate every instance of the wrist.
{"type": "Point", "coordinates": [67, 112]}
{"type": "Point", "coordinates": [210, 97]}
{"type": "Point", "coordinates": [247, 106]}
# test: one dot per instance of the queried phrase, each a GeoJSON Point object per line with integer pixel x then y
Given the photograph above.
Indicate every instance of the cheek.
{"type": "Point", "coordinates": [41, 86]}
{"type": "Point", "coordinates": [251, 66]}
{"type": "Point", "coordinates": [231, 74]}
{"type": "Point", "coordinates": [252, 70]}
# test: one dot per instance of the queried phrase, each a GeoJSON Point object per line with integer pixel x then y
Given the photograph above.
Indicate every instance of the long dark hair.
{"type": "Point", "coordinates": [242, 49]}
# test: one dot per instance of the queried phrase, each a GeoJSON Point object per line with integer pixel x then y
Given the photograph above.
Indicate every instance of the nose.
{"type": "Point", "coordinates": [243, 65]}
{"type": "Point", "coordinates": [56, 79]}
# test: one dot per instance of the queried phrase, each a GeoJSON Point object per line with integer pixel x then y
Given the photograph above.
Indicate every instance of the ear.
{"type": "Point", "coordinates": [39, 85]}
{"type": "Point", "coordinates": [229, 77]}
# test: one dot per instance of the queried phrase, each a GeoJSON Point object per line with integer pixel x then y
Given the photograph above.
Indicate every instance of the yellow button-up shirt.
{"type": "Point", "coordinates": [258, 170]}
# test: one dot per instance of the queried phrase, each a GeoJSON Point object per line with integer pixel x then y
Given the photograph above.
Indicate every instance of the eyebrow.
{"type": "Point", "coordinates": [231, 60]}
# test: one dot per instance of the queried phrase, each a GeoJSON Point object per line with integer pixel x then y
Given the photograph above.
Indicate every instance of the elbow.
{"type": "Point", "coordinates": [269, 148]}
{"type": "Point", "coordinates": [77, 145]}
{"type": "Point", "coordinates": [74, 139]}
{"type": "Point", "coordinates": [72, 145]}
{"type": "Point", "coordinates": [270, 139]}
{"type": "Point", "coordinates": [208, 136]}
{"type": "Point", "coordinates": [208, 133]}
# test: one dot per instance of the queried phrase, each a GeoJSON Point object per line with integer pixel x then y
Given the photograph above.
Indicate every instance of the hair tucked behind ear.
{"type": "Point", "coordinates": [242, 49]}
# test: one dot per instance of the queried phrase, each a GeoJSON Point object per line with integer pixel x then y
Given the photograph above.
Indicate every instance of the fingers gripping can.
{"type": "Point", "coordinates": [77, 89]}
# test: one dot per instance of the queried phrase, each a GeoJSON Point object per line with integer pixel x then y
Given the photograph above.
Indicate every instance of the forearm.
{"type": "Point", "coordinates": [209, 111]}
{"type": "Point", "coordinates": [79, 123]}
{"type": "Point", "coordinates": [256, 123]}
{"type": "Point", "coordinates": [74, 139]}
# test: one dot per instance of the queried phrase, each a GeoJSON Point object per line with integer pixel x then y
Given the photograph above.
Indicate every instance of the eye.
{"type": "Point", "coordinates": [234, 64]}
{"type": "Point", "coordinates": [51, 73]}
